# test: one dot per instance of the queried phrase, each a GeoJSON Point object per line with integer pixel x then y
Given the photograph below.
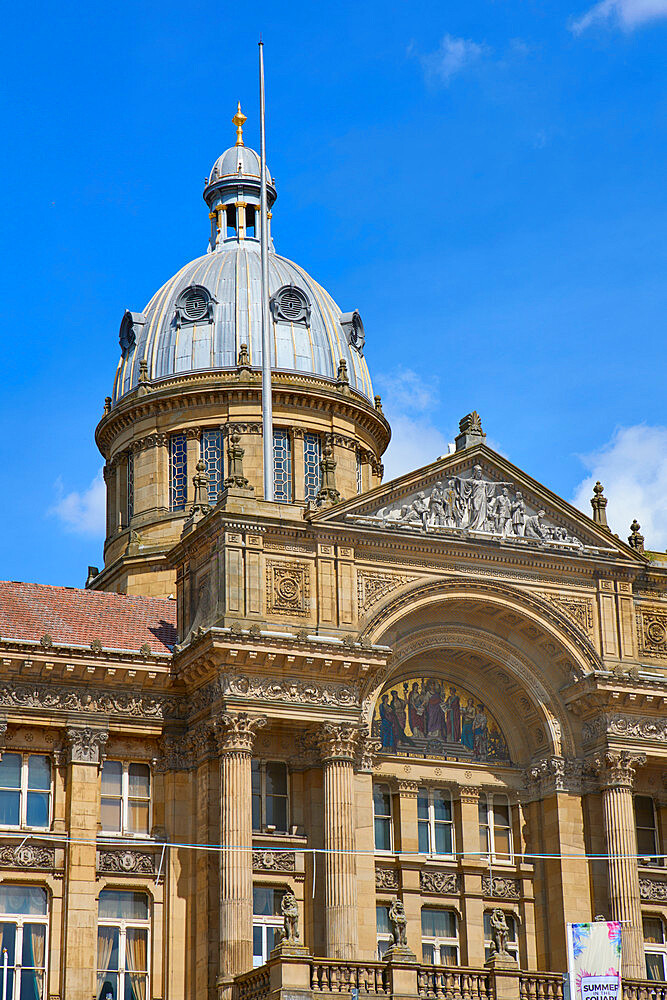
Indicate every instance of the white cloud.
{"type": "Point", "coordinates": [451, 57]}
{"type": "Point", "coordinates": [409, 400]}
{"type": "Point", "coordinates": [632, 467]}
{"type": "Point", "coordinates": [626, 14]}
{"type": "Point", "coordinates": [82, 513]}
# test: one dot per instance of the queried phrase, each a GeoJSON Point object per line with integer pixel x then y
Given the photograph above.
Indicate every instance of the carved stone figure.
{"type": "Point", "coordinates": [532, 526]}
{"type": "Point", "coordinates": [399, 923]}
{"type": "Point", "coordinates": [499, 933]}
{"type": "Point", "coordinates": [478, 494]}
{"type": "Point", "coordinates": [290, 911]}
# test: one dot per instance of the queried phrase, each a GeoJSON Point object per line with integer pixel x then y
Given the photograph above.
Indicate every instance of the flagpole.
{"type": "Point", "coordinates": [267, 402]}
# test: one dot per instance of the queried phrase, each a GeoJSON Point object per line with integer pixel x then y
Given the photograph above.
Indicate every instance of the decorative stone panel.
{"type": "Point", "coordinates": [372, 587]}
{"type": "Point", "coordinates": [27, 856]}
{"type": "Point", "coordinates": [273, 861]}
{"type": "Point", "coordinates": [126, 862]}
{"type": "Point", "coordinates": [578, 610]}
{"type": "Point", "coordinates": [501, 888]}
{"type": "Point", "coordinates": [442, 883]}
{"type": "Point", "coordinates": [287, 588]}
{"type": "Point", "coordinates": [386, 878]}
{"type": "Point", "coordinates": [653, 891]}
{"type": "Point", "coordinates": [652, 631]}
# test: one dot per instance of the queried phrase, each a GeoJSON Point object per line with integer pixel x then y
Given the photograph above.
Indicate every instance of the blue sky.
{"type": "Point", "coordinates": [485, 182]}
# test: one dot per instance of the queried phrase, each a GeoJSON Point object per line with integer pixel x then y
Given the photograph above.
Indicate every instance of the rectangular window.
{"type": "Point", "coordinates": [312, 456]}
{"type": "Point", "coordinates": [130, 486]}
{"type": "Point", "coordinates": [440, 937]}
{"type": "Point", "coordinates": [23, 928]}
{"type": "Point", "coordinates": [250, 220]}
{"type": "Point", "coordinates": [282, 466]}
{"type": "Point", "coordinates": [384, 933]}
{"type": "Point", "coordinates": [126, 798]}
{"type": "Point", "coordinates": [360, 474]}
{"type": "Point", "coordinates": [25, 790]}
{"type": "Point", "coordinates": [266, 920]}
{"type": "Point", "coordinates": [647, 830]}
{"type": "Point", "coordinates": [655, 948]}
{"type": "Point", "coordinates": [178, 472]}
{"type": "Point", "coordinates": [270, 800]}
{"type": "Point", "coordinates": [230, 213]}
{"type": "Point", "coordinates": [512, 936]}
{"type": "Point", "coordinates": [211, 453]}
{"type": "Point", "coordinates": [495, 828]}
{"type": "Point", "coordinates": [382, 817]}
{"type": "Point", "coordinates": [436, 822]}
{"type": "Point", "coordinates": [123, 946]}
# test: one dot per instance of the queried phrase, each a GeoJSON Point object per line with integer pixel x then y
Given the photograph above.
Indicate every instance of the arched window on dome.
{"type": "Point", "coordinates": [290, 305]}
{"type": "Point", "coordinates": [194, 305]}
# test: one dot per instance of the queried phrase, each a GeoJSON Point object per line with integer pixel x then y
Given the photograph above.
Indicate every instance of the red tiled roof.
{"type": "Point", "coordinates": [77, 617]}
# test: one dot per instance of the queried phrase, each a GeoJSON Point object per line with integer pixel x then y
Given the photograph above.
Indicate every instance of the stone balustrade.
{"type": "Point", "coordinates": [540, 986]}
{"type": "Point", "coordinates": [331, 976]}
{"type": "Point", "coordinates": [450, 982]}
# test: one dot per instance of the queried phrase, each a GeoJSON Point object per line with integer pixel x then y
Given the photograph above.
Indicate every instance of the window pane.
{"type": "Point", "coordinates": [32, 985]}
{"type": "Point", "coordinates": [427, 954]}
{"type": "Point", "coordinates": [646, 842]}
{"type": "Point", "coordinates": [502, 842]}
{"type": "Point", "coordinates": [9, 941]}
{"type": "Point", "coordinates": [270, 940]}
{"type": "Point", "coordinates": [107, 986]}
{"type": "Point", "coordinates": [37, 813]}
{"type": "Point", "coordinates": [653, 932]}
{"type": "Point", "coordinates": [276, 812]}
{"type": "Point", "coordinates": [107, 948]}
{"type": "Point", "coordinates": [10, 770]}
{"type": "Point", "coordinates": [10, 808]}
{"type": "Point", "coordinates": [448, 955]}
{"type": "Point", "coordinates": [123, 905]}
{"type": "Point", "coordinates": [501, 812]}
{"type": "Point", "coordinates": [266, 902]}
{"type": "Point", "coordinates": [422, 804]}
{"type": "Point", "coordinates": [276, 778]}
{"type": "Point", "coordinates": [483, 811]}
{"type": "Point", "coordinates": [112, 771]}
{"type": "Point", "coordinates": [257, 958]}
{"type": "Point", "coordinates": [381, 800]}
{"type": "Point", "coordinates": [442, 806]}
{"type": "Point", "coordinates": [655, 967]}
{"type": "Point", "coordinates": [382, 835]}
{"type": "Point", "coordinates": [135, 986]}
{"type": "Point", "coordinates": [34, 940]}
{"type": "Point", "coordinates": [438, 923]}
{"type": "Point", "coordinates": [39, 772]}
{"type": "Point", "coordinates": [644, 810]}
{"type": "Point", "coordinates": [256, 812]}
{"type": "Point", "coordinates": [443, 838]}
{"type": "Point", "coordinates": [423, 838]}
{"type": "Point", "coordinates": [136, 949]}
{"type": "Point", "coordinates": [382, 922]}
{"type": "Point", "coordinates": [137, 816]}
{"type": "Point", "coordinates": [484, 839]}
{"type": "Point", "coordinates": [110, 815]}
{"type": "Point", "coordinates": [23, 899]}
{"type": "Point", "coordinates": [139, 780]}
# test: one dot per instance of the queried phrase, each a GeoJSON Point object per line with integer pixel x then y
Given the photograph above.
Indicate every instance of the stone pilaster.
{"type": "Point", "coordinates": [235, 735]}
{"type": "Point", "coordinates": [338, 749]}
{"type": "Point", "coordinates": [85, 747]}
{"type": "Point", "coordinates": [616, 770]}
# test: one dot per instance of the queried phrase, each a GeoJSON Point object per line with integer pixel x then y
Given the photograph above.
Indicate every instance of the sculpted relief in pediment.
{"type": "Point", "coordinates": [481, 507]}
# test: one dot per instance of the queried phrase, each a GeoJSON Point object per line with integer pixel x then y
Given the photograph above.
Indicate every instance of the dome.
{"type": "Point", "coordinates": [238, 160]}
{"type": "Point", "coordinates": [200, 318]}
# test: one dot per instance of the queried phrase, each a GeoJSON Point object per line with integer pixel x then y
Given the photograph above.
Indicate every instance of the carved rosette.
{"type": "Point", "coordinates": [27, 856]}
{"type": "Point", "coordinates": [338, 742]}
{"type": "Point", "coordinates": [235, 732]}
{"type": "Point", "coordinates": [386, 878]}
{"type": "Point", "coordinates": [616, 768]}
{"type": "Point", "coordinates": [273, 861]}
{"type": "Point", "coordinates": [86, 745]}
{"type": "Point", "coordinates": [440, 883]}
{"type": "Point", "coordinates": [501, 888]}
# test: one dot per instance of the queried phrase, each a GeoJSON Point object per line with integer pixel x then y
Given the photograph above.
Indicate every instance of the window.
{"type": "Point", "coordinates": [122, 946]}
{"type": "Point", "coordinates": [512, 936]}
{"type": "Point", "coordinates": [126, 798]}
{"type": "Point", "coordinates": [495, 830]}
{"type": "Point", "coordinates": [435, 822]}
{"type": "Point", "coordinates": [282, 466]}
{"type": "Point", "coordinates": [130, 486]}
{"type": "Point", "coordinates": [178, 472]}
{"type": "Point", "coordinates": [23, 925]}
{"type": "Point", "coordinates": [382, 817]}
{"type": "Point", "coordinates": [291, 305]}
{"type": "Point", "coordinates": [384, 932]}
{"type": "Point", "coordinates": [25, 790]}
{"type": "Point", "coordinates": [266, 920]}
{"type": "Point", "coordinates": [655, 948]}
{"type": "Point", "coordinates": [211, 453]}
{"type": "Point", "coordinates": [250, 213]}
{"type": "Point", "coordinates": [269, 795]}
{"type": "Point", "coordinates": [312, 455]}
{"type": "Point", "coordinates": [230, 212]}
{"type": "Point", "coordinates": [440, 937]}
{"type": "Point", "coordinates": [360, 474]}
{"type": "Point", "coordinates": [647, 830]}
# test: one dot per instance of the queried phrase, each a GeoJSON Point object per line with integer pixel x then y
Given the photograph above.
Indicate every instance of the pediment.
{"type": "Point", "coordinates": [478, 495]}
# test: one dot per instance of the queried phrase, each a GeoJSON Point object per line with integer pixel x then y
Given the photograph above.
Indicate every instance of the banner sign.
{"type": "Point", "coordinates": [594, 960]}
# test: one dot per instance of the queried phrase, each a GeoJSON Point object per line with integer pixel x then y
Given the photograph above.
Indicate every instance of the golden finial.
{"type": "Point", "coordinates": [239, 120]}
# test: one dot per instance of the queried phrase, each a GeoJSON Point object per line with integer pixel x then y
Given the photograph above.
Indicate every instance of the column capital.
{"type": "Point", "coordinates": [85, 745]}
{"type": "Point", "coordinates": [469, 793]}
{"type": "Point", "coordinates": [616, 768]}
{"type": "Point", "coordinates": [235, 731]}
{"type": "Point", "coordinates": [406, 787]}
{"type": "Point", "coordinates": [367, 751]}
{"type": "Point", "coordinates": [338, 742]}
{"type": "Point", "coordinates": [554, 774]}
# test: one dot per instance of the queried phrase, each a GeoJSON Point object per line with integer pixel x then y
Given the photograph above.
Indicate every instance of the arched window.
{"type": "Point", "coordinates": [194, 305]}
{"type": "Point", "coordinates": [291, 305]}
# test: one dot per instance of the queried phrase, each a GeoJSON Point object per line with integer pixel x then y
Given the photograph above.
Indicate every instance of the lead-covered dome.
{"type": "Point", "coordinates": [201, 318]}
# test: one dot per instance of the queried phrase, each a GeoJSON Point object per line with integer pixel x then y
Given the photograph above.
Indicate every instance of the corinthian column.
{"type": "Point", "coordinates": [234, 734]}
{"type": "Point", "coordinates": [338, 747]}
{"type": "Point", "coordinates": [616, 769]}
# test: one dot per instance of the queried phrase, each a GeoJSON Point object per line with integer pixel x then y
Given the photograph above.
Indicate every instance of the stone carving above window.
{"type": "Point", "coordinates": [287, 588]}
{"type": "Point", "coordinates": [442, 883]}
{"type": "Point", "coordinates": [27, 856]}
{"type": "Point", "coordinates": [472, 503]}
{"type": "Point", "coordinates": [290, 305]}
{"type": "Point", "coordinates": [126, 862]}
{"type": "Point", "coordinates": [653, 891]}
{"type": "Point", "coordinates": [652, 632]}
{"type": "Point", "coordinates": [501, 888]}
{"type": "Point", "coordinates": [273, 861]}
{"type": "Point", "coordinates": [386, 878]}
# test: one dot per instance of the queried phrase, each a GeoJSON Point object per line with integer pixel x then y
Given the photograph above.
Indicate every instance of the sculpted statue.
{"type": "Point", "coordinates": [290, 911]}
{"type": "Point", "coordinates": [499, 933]}
{"type": "Point", "coordinates": [533, 526]}
{"type": "Point", "coordinates": [478, 493]}
{"type": "Point", "coordinates": [399, 923]}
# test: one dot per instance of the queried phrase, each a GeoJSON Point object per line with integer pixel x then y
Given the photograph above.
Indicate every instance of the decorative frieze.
{"type": "Point", "coordinates": [86, 745]}
{"type": "Point", "coordinates": [386, 879]}
{"type": "Point", "coordinates": [273, 861]}
{"type": "Point", "coordinates": [126, 862]}
{"type": "Point", "coordinates": [27, 856]}
{"type": "Point", "coordinates": [287, 588]}
{"type": "Point", "coordinates": [652, 890]}
{"type": "Point", "coordinates": [632, 726]}
{"type": "Point", "coordinates": [501, 888]}
{"type": "Point", "coordinates": [286, 689]}
{"type": "Point", "coordinates": [51, 698]}
{"type": "Point", "coordinates": [372, 587]}
{"type": "Point", "coordinates": [441, 883]}
{"type": "Point", "coordinates": [652, 631]}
